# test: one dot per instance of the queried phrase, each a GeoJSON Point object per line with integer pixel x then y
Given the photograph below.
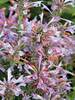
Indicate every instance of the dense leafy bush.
{"type": "Point", "coordinates": [37, 49]}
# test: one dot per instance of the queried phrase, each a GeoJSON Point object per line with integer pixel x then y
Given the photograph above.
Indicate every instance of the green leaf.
{"type": "Point", "coordinates": [69, 13]}
{"type": "Point", "coordinates": [72, 95]}
{"type": "Point", "coordinates": [5, 5]}
{"type": "Point", "coordinates": [3, 1]}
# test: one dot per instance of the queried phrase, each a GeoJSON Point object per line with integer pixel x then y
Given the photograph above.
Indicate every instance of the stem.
{"type": "Point", "coordinates": [20, 12]}
{"type": "Point", "coordinates": [20, 6]}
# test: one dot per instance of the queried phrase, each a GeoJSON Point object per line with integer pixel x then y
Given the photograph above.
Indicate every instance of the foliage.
{"type": "Point", "coordinates": [37, 49]}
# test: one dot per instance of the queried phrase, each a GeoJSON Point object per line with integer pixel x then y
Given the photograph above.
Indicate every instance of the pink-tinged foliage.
{"type": "Point", "coordinates": [11, 84]}
{"type": "Point", "coordinates": [53, 82]}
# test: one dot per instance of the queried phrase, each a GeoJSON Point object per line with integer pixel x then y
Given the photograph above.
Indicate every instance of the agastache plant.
{"type": "Point", "coordinates": [33, 50]}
